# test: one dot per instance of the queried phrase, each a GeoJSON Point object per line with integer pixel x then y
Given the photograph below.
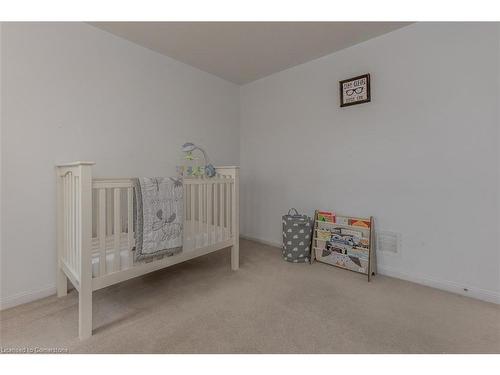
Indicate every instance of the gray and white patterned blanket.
{"type": "Point", "coordinates": [159, 216]}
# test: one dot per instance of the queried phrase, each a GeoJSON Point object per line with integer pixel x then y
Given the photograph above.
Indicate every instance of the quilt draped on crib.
{"type": "Point", "coordinates": [159, 212]}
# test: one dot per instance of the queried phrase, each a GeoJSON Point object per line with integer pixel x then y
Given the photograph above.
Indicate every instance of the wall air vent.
{"type": "Point", "coordinates": [388, 242]}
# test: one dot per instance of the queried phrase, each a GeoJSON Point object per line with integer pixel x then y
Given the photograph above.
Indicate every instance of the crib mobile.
{"type": "Point", "coordinates": [193, 168]}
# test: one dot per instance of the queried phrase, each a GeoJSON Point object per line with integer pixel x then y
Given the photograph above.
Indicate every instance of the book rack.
{"type": "Point", "coordinates": [344, 241]}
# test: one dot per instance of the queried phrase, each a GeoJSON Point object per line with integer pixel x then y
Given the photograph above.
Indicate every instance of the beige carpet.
{"type": "Point", "coordinates": [268, 306]}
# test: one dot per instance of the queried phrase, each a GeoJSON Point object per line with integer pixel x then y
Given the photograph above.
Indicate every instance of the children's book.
{"type": "Point", "coordinates": [364, 242]}
{"type": "Point", "coordinates": [351, 232]}
{"type": "Point", "coordinates": [323, 235]}
{"type": "Point", "coordinates": [342, 220]}
{"type": "Point", "coordinates": [326, 216]}
{"type": "Point", "coordinates": [359, 223]}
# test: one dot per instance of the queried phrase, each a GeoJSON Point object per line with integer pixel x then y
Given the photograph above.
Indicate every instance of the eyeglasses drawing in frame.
{"type": "Point", "coordinates": [355, 90]}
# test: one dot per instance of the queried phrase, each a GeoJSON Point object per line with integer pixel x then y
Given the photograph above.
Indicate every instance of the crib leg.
{"type": "Point", "coordinates": [62, 283]}
{"type": "Point", "coordinates": [235, 256]}
{"type": "Point", "coordinates": [85, 313]}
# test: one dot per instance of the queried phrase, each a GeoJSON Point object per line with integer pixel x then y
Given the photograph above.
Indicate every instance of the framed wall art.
{"type": "Point", "coordinates": [355, 90]}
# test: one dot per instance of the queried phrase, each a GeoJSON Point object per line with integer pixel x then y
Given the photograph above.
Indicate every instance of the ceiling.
{"type": "Point", "coordinates": [242, 52]}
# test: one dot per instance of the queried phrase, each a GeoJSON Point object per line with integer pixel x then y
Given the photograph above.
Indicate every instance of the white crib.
{"type": "Point", "coordinates": [95, 229]}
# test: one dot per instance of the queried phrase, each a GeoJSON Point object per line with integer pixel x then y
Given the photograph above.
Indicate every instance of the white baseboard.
{"type": "Point", "coordinates": [25, 297]}
{"type": "Point", "coordinates": [268, 243]}
{"type": "Point", "coordinates": [449, 286]}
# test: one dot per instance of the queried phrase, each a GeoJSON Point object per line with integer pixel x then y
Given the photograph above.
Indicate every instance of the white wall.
{"type": "Point", "coordinates": [74, 92]}
{"type": "Point", "coordinates": [422, 157]}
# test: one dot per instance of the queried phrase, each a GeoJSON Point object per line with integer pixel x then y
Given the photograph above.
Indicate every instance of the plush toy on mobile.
{"type": "Point", "coordinates": [208, 169]}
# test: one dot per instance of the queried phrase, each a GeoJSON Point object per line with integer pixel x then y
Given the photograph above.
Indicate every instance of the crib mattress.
{"type": "Point", "coordinates": [192, 241]}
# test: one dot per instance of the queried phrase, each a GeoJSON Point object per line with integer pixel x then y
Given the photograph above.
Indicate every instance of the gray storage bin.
{"type": "Point", "coordinates": [297, 234]}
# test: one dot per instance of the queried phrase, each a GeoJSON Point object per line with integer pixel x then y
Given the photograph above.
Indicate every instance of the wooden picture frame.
{"type": "Point", "coordinates": [348, 90]}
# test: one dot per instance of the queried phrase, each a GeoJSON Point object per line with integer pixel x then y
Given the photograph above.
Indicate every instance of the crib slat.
{"type": "Point", "coordinates": [117, 229]}
{"type": "Point", "coordinates": [68, 219]}
{"type": "Point", "coordinates": [78, 247]}
{"type": "Point", "coordinates": [185, 196]}
{"type": "Point", "coordinates": [101, 231]}
{"type": "Point", "coordinates": [191, 216]}
{"type": "Point", "coordinates": [68, 202]}
{"type": "Point", "coordinates": [200, 213]}
{"type": "Point", "coordinates": [71, 222]}
{"type": "Point", "coordinates": [228, 204]}
{"type": "Point", "coordinates": [216, 211]}
{"type": "Point", "coordinates": [209, 213]}
{"type": "Point", "coordinates": [130, 222]}
{"type": "Point", "coordinates": [205, 229]}
{"type": "Point", "coordinates": [109, 212]}
{"type": "Point", "coordinates": [186, 189]}
{"type": "Point", "coordinates": [221, 211]}
{"type": "Point", "coordinates": [231, 210]}
{"type": "Point", "coordinates": [77, 223]}
{"type": "Point", "coordinates": [65, 218]}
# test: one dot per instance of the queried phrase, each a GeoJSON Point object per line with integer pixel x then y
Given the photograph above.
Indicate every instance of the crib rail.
{"type": "Point", "coordinates": [112, 216]}
{"type": "Point", "coordinates": [210, 216]}
{"type": "Point", "coordinates": [207, 210]}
